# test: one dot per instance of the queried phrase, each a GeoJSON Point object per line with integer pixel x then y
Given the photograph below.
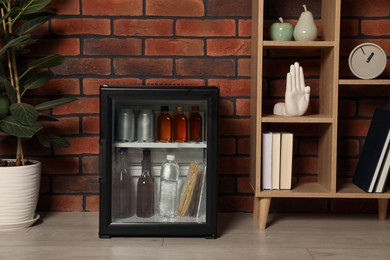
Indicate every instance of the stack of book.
{"type": "Point", "coordinates": [373, 166]}
{"type": "Point", "coordinates": [277, 151]}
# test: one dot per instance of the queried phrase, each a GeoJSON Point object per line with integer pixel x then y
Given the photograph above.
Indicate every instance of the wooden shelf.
{"type": "Point", "coordinates": [296, 119]}
{"type": "Point", "coordinates": [299, 44]}
{"type": "Point", "coordinates": [371, 82]}
{"type": "Point", "coordinates": [160, 145]}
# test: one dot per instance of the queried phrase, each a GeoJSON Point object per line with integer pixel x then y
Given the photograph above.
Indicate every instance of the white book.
{"type": "Point", "coordinates": [385, 172]}
{"type": "Point", "coordinates": [286, 156]}
{"type": "Point", "coordinates": [275, 169]}
{"type": "Point", "coordinates": [266, 176]}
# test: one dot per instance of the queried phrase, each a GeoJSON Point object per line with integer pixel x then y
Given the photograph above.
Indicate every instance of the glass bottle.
{"type": "Point", "coordinates": [195, 125]}
{"type": "Point", "coordinates": [169, 177]}
{"type": "Point", "coordinates": [145, 189]}
{"type": "Point", "coordinates": [122, 188]}
{"type": "Point", "coordinates": [179, 125]}
{"type": "Point", "coordinates": [164, 125]}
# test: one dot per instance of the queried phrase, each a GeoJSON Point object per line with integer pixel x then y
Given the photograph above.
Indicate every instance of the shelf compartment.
{"type": "Point", "coordinates": [299, 44]}
{"type": "Point", "coordinates": [160, 145]}
{"type": "Point", "coordinates": [300, 190]}
{"type": "Point", "coordinates": [317, 118]}
{"type": "Point", "coordinates": [350, 190]}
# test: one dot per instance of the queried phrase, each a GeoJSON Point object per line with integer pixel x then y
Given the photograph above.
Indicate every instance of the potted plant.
{"type": "Point", "coordinates": [20, 178]}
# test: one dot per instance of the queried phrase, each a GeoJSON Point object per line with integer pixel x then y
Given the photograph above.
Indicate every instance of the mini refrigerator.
{"type": "Point", "coordinates": [158, 161]}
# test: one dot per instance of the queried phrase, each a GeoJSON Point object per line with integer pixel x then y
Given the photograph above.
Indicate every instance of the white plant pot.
{"type": "Point", "coordinates": [19, 190]}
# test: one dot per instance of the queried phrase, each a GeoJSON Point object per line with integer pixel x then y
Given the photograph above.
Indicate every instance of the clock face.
{"type": "Point", "coordinates": [367, 61]}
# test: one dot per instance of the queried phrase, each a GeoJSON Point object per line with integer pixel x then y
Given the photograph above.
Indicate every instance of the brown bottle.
{"type": "Point", "coordinates": [164, 125]}
{"type": "Point", "coordinates": [179, 125]}
{"type": "Point", "coordinates": [195, 125]}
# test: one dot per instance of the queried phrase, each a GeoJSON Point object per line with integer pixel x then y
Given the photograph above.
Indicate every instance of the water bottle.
{"type": "Point", "coordinates": [122, 188]}
{"type": "Point", "coordinates": [169, 177]}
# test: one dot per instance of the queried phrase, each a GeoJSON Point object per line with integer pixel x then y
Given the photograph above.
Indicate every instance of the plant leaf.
{"type": "Point", "coordinates": [54, 103]}
{"type": "Point", "coordinates": [37, 80]}
{"type": "Point", "coordinates": [24, 113]}
{"type": "Point", "coordinates": [9, 89]}
{"type": "Point", "coordinates": [32, 24]}
{"type": "Point", "coordinates": [12, 127]}
{"type": "Point", "coordinates": [52, 141]}
{"type": "Point", "coordinates": [18, 41]}
{"type": "Point", "coordinates": [47, 62]}
{"type": "Point", "coordinates": [44, 117]}
{"type": "Point", "coordinates": [36, 6]}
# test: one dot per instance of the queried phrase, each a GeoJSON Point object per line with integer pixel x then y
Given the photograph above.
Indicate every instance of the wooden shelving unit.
{"type": "Point", "coordinates": [326, 120]}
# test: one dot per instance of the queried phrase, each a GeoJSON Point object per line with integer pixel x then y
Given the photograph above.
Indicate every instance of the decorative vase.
{"type": "Point", "coordinates": [19, 190]}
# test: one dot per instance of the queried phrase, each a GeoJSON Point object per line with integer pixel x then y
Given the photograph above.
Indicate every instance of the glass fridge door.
{"type": "Point", "coordinates": [158, 159]}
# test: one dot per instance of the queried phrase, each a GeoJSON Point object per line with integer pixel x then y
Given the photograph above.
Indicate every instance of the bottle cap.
{"type": "Point", "coordinates": [179, 109]}
{"type": "Point", "coordinates": [195, 108]}
{"type": "Point", "coordinates": [170, 157]}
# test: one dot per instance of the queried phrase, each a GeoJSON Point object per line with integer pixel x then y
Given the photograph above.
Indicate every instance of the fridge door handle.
{"type": "Point", "coordinates": [102, 161]}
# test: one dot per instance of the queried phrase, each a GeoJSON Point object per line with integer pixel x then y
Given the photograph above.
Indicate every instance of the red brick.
{"type": "Point", "coordinates": [59, 87]}
{"type": "Point", "coordinates": [347, 108]}
{"type": "Point", "coordinates": [205, 67]}
{"type": "Point", "coordinates": [174, 47]}
{"type": "Point", "coordinates": [305, 165]}
{"type": "Point", "coordinates": [368, 8]}
{"type": "Point", "coordinates": [143, 67]}
{"type": "Point", "coordinates": [92, 203]}
{"type": "Point", "coordinates": [228, 47]}
{"type": "Point", "coordinates": [81, 66]}
{"type": "Point", "coordinates": [375, 27]}
{"type": "Point", "coordinates": [346, 167]}
{"type": "Point", "coordinates": [75, 184]}
{"type": "Point", "coordinates": [353, 127]}
{"type": "Point", "coordinates": [91, 124]}
{"type": "Point", "coordinates": [244, 28]}
{"type": "Point", "coordinates": [112, 46]}
{"type": "Point", "coordinates": [90, 164]}
{"type": "Point", "coordinates": [64, 125]}
{"type": "Point", "coordinates": [44, 186]}
{"type": "Point", "coordinates": [349, 27]}
{"type": "Point", "coordinates": [82, 105]}
{"type": "Point", "coordinates": [347, 45]}
{"type": "Point", "coordinates": [68, 7]}
{"type": "Point", "coordinates": [243, 107]}
{"type": "Point", "coordinates": [301, 205]}
{"type": "Point", "coordinates": [135, 27]}
{"type": "Point", "coordinates": [229, 8]}
{"type": "Point", "coordinates": [308, 146]}
{"type": "Point", "coordinates": [243, 185]}
{"type": "Point", "coordinates": [62, 203]}
{"type": "Point", "coordinates": [351, 206]}
{"type": "Point", "coordinates": [244, 146]}
{"type": "Point", "coordinates": [226, 185]}
{"type": "Point", "coordinates": [91, 86]}
{"type": "Point", "coordinates": [230, 126]}
{"type": "Point", "coordinates": [66, 47]}
{"type": "Point", "coordinates": [175, 8]}
{"type": "Point", "coordinates": [227, 146]}
{"type": "Point", "coordinates": [279, 68]}
{"type": "Point", "coordinates": [232, 87]}
{"type": "Point", "coordinates": [205, 28]}
{"type": "Point", "coordinates": [60, 165]}
{"type": "Point", "coordinates": [235, 203]}
{"type": "Point", "coordinates": [81, 145]}
{"type": "Point", "coordinates": [367, 106]}
{"type": "Point", "coordinates": [112, 7]}
{"type": "Point", "coordinates": [244, 67]}
{"type": "Point", "coordinates": [83, 26]}
{"type": "Point", "coordinates": [348, 147]}
{"type": "Point", "coordinates": [226, 107]}
{"type": "Point", "coordinates": [174, 81]}
{"type": "Point", "coordinates": [234, 165]}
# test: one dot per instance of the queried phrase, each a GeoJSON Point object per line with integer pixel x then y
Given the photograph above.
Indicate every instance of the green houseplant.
{"type": "Point", "coordinates": [19, 74]}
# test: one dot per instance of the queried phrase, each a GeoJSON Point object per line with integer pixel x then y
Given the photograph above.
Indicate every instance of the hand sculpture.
{"type": "Point", "coordinates": [297, 94]}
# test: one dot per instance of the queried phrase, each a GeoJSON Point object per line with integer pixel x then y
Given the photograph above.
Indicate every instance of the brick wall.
{"type": "Point", "coordinates": [186, 42]}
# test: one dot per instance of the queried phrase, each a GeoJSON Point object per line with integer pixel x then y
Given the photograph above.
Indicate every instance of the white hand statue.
{"type": "Point", "coordinates": [297, 94]}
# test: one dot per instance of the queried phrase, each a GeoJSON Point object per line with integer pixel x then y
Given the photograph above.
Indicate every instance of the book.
{"type": "Point", "coordinates": [266, 173]}
{"type": "Point", "coordinates": [384, 172]}
{"type": "Point", "coordinates": [373, 151]}
{"type": "Point", "coordinates": [286, 157]}
{"type": "Point", "coordinates": [275, 166]}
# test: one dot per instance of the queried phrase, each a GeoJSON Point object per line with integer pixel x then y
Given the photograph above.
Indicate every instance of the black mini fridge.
{"type": "Point", "coordinates": [164, 138]}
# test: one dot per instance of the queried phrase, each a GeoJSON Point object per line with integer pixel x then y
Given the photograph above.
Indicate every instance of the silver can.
{"type": "Point", "coordinates": [145, 126]}
{"type": "Point", "coordinates": [125, 125]}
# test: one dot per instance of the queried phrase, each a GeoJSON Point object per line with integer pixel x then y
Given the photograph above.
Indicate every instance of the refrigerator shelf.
{"type": "Point", "coordinates": [160, 145]}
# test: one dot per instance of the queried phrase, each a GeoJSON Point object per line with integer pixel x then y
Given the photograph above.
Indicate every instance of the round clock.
{"type": "Point", "coordinates": [367, 61]}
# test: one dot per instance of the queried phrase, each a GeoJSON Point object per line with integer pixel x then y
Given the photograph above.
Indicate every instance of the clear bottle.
{"type": "Point", "coordinates": [169, 177]}
{"type": "Point", "coordinates": [195, 125]}
{"type": "Point", "coordinates": [122, 188]}
{"type": "Point", "coordinates": [145, 189]}
{"type": "Point", "coordinates": [164, 125]}
{"type": "Point", "coordinates": [179, 125]}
